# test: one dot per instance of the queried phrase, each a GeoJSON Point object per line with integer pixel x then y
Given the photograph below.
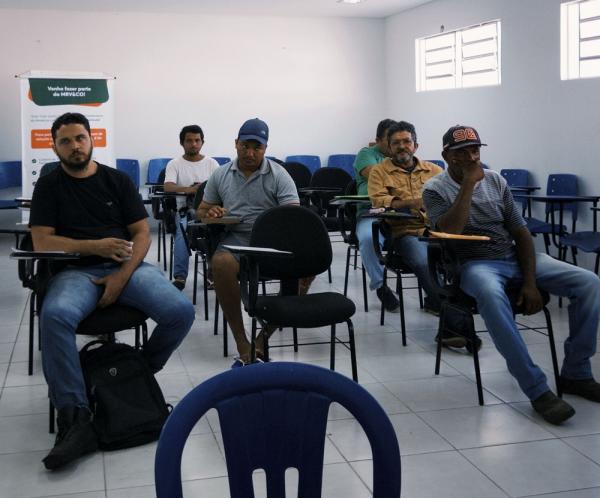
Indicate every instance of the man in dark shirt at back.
{"type": "Point", "coordinates": [88, 208]}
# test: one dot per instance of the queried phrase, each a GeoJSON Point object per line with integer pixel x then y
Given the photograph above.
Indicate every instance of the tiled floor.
{"type": "Point", "coordinates": [450, 446]}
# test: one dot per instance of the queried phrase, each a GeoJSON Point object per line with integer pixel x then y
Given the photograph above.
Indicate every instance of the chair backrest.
{"type": "Point", "coordinates": [10, 174]}
{"type": "Point", "coordinates": [330, 177]}
{"type": "Point", "coordinates": [342, 161]}
{"type": "Point", "coordinates": [274, 417]}
{"type": "Point", "coordinates": [296, 229]}
{"type": "Point", "coordinates": [313, 163]}
{"type": "Point", "coordinates": [299, 173]}
{"type": "Point", "coordinates": [277, 160]}
{"type": "Point", "coordinates": [439, 162]}
{"type": "Point", "coordinates": [49, 167]}
{"type": "Point", "coordinates": [155, 166]}
{"type": "Point", "coordinates": [132, 168]}
{"type": "Point", "coordinates": [562, 184]}
{"type": "Point", "coordinates": [516, 177]}
{"type": "Point", "coordinates": [222, 159]}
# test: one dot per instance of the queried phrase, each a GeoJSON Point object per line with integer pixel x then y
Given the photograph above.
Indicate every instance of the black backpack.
{"type": "Point", "coordinates": [128, 406]}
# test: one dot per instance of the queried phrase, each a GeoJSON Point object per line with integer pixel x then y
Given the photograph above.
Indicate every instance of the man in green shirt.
{"type": "Point", "coordinates": [363, 164]}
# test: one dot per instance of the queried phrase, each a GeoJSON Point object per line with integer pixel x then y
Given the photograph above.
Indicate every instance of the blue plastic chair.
{"type": "Point", "coordinates": [155, 166]}
{"type": "Point", "coordinates": [343, 161]}
{"type": "Point", "coordinates": [274, 416]}
{"type": "Point", "coordinates": [222, 159]}
{"type": "Point", "coordinates": [439, 162]}
{"type": "Point", "coordinates": [586, 241]}
{"type": "Point", "coordinates": [10, 177]}
{"type": "Point", "coordinates": [313, 163]}
{"type": "Point", "coordinates": [517, 177]}
{"type": "Point", "coordinates": [558, 184]}
{"type": "Point", "coordinates": [132, 168]}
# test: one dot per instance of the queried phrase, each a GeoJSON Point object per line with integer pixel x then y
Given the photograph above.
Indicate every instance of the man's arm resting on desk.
{"type": "Point", "coordinates": [173, 187]}
{"type": "Point", "coordinates": [207, 210]}
{"type": "Point", "coordinates": [529, 297]}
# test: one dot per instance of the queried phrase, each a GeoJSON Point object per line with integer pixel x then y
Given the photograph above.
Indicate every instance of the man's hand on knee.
{"type": "Point", "coordinates": [530, 300]}
{"type": "Point", "coordinates": [113, 286]}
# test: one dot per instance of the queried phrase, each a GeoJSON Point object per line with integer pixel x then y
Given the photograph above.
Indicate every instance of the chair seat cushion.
{"type": "Point", "coordinates": [312, 310]}
{"type": "Point", "coordinates": [538, 226]}
{"type": "Point", "coordinates": [113, 318]}
{"type": "Point", "coordinates": [586, 241]}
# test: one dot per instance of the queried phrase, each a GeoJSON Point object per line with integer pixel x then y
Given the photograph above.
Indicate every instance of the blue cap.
{"type": "Point", "coordinates": [254, 129]}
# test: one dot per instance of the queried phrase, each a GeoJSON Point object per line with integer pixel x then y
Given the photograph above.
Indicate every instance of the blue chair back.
{"type": "Point", "coordinates": [222, 159]}
{"type": "Point", "coordinates": [132, 168]}
{"type": "Point", "coordinates": [155, 166]}
{"type": "Point", "coordinates": [273, 417]}
{"type": "Point", "coordinates": [10, 174]}
{"type": "Point", "coordinates": [516, 177]}
{"type": "Point", "coordinates": [313, 163]}
{"type": "Point", "coordinates": [342, 161]}
{"type": "Point", "coordinates": [439, 162]}
{"type": "Point", "coordinates": [563, 184]}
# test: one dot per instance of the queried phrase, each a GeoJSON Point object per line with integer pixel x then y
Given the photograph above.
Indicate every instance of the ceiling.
{"type": "Point", "coordinates": [296, 8]}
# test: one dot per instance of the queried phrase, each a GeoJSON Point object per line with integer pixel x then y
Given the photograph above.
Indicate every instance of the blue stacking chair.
{"type": "Point", "coordinates": [586, 241]}
{"type": "Point", "coordinates": [222, 160]}
{"type": "Point", "coordinates": [439, 162]}
{"type": "Point", "coordinates": [313, 163]}
{"type": "Point", "coordinates": [558, 184]}
{"type": "Point", "coordinates": [517, 177]}
{"type": "Point", "coordinates": [273, 417]}
{"type": "Point", "coordinates": [155, 166]}
{"type": "Point", "coordinates": [132, 168]}
{"type": "Point", "coordinates": [10, 177]}
{"type": "Point", "coordinates": [343, 161]}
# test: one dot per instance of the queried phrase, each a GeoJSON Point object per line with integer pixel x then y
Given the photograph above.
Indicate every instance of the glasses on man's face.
{"type": "Point", "coordinates": [405, 142]}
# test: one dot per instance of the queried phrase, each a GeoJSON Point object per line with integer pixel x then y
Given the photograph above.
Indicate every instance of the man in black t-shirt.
{"type": "Point", "coordinates": [91, 209]}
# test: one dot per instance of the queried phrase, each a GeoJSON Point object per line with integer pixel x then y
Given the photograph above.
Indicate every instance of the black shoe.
{"type": "Point", "coordinates": [431, 306]}
{"type": "Point", "coordinates": [586, 388]}
{"type": "Point", "coordinates": [552, 408]}
{"type": "Point", "coordinates": [388, 300]}
{"type": "Point", "coordinates": [76, 437]}
{"type": "Point", "coordinates": [452, 340]}
{"type": "Point", "coordinates": [179, 282]}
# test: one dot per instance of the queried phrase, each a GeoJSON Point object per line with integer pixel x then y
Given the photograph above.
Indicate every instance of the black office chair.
{"type": "Point", "coordinates": [198, 241]}
{"type": "Point", "coordinates": [457, 308]}
{"type": "Point", "coordinates": [35, 270]}
{"type": "Point", "coordinates": [301, 232]}
{"type": "Point", "coordinates": [301, 176]}
{"type": "Point", "coordinates": [157, 213]}
{"type": "Point", "coordinates": [392, 260]}
{"type": "Point", "coordinates": [347, 222]}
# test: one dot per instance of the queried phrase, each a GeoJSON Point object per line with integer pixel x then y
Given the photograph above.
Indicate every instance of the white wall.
{"type": "Point", "coordinates": [533, 120]}
{"type": "Point", "coordinates": [318, 83]}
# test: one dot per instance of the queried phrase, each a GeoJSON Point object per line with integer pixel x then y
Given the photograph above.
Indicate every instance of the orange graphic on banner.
{"type": "Point", "coordinates": [42, 139]}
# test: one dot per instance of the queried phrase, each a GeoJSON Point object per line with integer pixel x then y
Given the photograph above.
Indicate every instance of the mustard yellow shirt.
{"type": "Point", "coordinates": [388, 182]}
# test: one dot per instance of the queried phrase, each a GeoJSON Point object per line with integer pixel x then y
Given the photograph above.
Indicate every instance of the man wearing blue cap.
{"type": "Point", "coordinates": [244, 188]}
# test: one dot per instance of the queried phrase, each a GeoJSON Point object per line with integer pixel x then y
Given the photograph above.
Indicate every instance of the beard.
{"type": "Point", "coordinates": [76, 161]}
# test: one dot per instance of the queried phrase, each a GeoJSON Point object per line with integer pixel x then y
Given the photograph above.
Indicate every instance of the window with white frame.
{"type": "Point", "coordinates": [580, 39]}
{"type": "Point", "coordinates": [462, 58]}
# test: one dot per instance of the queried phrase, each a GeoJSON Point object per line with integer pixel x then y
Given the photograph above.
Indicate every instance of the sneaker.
{"type": "Point", "coordinates": [388, 300]}
{"type": "Point", "coordinates": [552, 409]}
{"type": "Point", "coordinates": [179, 282]}
{"type": "Point", "coordinates": [586, 388]}
{"type": "Point", "coordinates": [76, 437]}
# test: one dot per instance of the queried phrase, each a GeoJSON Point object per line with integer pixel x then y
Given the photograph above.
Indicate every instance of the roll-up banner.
{"type": "Point", "coordinates": [45, 95]}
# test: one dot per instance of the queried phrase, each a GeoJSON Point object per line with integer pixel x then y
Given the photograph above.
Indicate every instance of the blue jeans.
{"type": "Point", "coordinates": [484, 281]}
{"type": "Point", "coordinates": [414, 255]}
{"type": "Point", "coordinates": [367, 252]}
{"type": "Point", "coordinates": [72, 296]}
{"type": "Point", "coordinates": [181, 256]}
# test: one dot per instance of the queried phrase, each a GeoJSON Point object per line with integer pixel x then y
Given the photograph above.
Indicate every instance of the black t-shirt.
{"type": "Point", "coordinates": [99, 206]}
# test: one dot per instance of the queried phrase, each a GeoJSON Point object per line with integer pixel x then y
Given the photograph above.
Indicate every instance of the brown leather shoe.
{"type": "Point", "coordinates": [552, 408]}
